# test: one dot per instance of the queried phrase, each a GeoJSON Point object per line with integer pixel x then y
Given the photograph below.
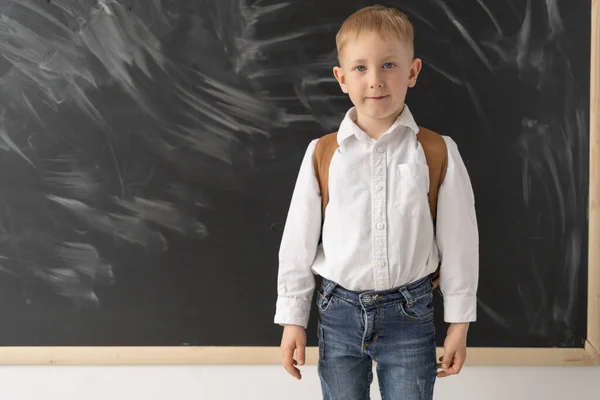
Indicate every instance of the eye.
{"type": "Point", "coordinates": [389, 65]}
{"type": "Point", "coordinates": [360, 68]}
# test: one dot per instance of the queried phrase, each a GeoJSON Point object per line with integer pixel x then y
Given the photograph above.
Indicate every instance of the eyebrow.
{"type": "Point", "coordinates": [362, 60]}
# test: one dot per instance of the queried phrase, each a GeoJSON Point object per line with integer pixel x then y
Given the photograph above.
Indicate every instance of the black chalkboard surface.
{"type": "Point", "coordinates": [148, 151]}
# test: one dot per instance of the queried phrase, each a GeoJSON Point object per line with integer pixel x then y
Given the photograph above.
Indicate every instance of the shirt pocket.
{"type": "Point", "coordinates": [411, 189]}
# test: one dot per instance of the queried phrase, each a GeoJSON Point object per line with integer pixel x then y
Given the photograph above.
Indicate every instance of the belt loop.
{"type": "Point", "coordinates": [329, 286]}
{"type": "Point", "coordinates": [407, 295]}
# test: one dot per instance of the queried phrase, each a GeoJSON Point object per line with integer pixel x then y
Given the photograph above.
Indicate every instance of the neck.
{"type": "Point", "coordinates": [376, 127]}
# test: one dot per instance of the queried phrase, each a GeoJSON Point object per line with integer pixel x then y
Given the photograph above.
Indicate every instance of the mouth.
{"type": "Point", "coordinates": [377, 98]}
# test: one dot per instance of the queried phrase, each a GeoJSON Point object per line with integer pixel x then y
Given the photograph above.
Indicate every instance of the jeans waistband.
{"type": "Point", "coordinates": [407, 292]}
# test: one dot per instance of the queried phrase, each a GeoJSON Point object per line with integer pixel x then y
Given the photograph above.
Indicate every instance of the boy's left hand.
{"type": "Point", "coordinates": [455, 350]}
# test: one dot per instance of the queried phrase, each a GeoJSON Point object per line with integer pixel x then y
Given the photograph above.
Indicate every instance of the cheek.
{"type": "Point", "coordinates": [402, 89]}
{"type": "Point", "coordinates": [354, 91]}
{"type": "Point", "coordinates": [400, 85]}
{"type": "Point", "coordinates": [354, 98]}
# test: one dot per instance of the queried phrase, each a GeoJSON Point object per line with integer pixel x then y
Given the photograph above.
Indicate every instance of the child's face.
{"type": "Point", "coordinates": [376, 73]}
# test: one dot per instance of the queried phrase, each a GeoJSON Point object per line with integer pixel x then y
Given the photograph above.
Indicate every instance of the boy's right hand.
{"type": "Point", "coordinates": [294, 338]}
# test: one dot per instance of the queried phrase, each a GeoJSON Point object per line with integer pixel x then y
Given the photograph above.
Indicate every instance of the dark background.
{"type": "Point", "coordinates": [148, 151]}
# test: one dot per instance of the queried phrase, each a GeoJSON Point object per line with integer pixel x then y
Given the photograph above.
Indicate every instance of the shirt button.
{"type": "Point", "coordinates": [380, 225]}
{"type": "Point", "coordinates": [379, 187]}
{"type": "Point", "coordinates": [381, 149]}
{"type": "Point", "coordinates": [380, 263]}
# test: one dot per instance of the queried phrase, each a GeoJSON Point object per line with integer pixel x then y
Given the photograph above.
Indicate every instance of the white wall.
{"type": "Point", "coordinates": [273, 383]}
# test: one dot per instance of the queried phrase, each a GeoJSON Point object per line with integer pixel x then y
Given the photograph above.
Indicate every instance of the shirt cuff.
{"type": "Point", "coordinates": [459, 309]}
{"type": "Point", "coordinates": [292, 311]}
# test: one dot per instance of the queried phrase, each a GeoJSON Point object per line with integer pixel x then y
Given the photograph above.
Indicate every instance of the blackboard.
{"type": "Point", "coordinates": [148, 151]}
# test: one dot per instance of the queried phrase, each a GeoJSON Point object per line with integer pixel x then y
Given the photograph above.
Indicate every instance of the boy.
{"type": "Point", "coordinates": [382, 237]}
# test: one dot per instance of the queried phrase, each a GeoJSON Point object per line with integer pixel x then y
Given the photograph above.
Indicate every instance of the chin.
{"type": "Point", "coordinates": [377, 114]}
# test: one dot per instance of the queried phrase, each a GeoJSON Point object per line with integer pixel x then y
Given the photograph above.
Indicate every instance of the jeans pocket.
{"type": "Point", "coordinates": [420, 310]}
{"type": "Point", "coordinates": [324, 302]}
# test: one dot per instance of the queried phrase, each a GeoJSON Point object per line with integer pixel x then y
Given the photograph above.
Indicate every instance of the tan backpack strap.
{"type": "Point", "coordinates": [324, 150]}
{"type": "Point", "coordinates": [436, 154]}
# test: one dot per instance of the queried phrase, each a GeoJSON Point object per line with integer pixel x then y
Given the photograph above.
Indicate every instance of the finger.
{"type": "Point", "coordinates": [447, 359]}
{"type": "Point", "coordinates": [457, 365]}
{"type": "Point", "coordinates": [454, 368]}
{"type": "Point", "coordinates": [441, 374]}
{"type": "Point", "coordinates": [288, 363]}
{"type": "Point", "coordinates": [293, 371]}
{"type": "Point", "coordinates": [301, 354]}
{"type": "Point", "coordinates": [287, 356]}
{"type": "Point", "coordinates": [451, 370]}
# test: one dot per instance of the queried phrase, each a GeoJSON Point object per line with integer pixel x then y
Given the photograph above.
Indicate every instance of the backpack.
{"type": "Point", "coordinates": [436, 154]}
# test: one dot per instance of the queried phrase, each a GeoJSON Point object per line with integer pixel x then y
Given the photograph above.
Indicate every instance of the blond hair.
{"type": "Point", "coordinates": [379, 19]}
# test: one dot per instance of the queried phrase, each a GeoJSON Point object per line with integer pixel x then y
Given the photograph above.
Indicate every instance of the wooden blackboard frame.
{"type": "Point", "coordinates": [588, 355]}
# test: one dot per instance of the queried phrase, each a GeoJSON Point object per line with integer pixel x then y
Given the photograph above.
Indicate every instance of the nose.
{"type": "Point", "coordinates": [376, 81]}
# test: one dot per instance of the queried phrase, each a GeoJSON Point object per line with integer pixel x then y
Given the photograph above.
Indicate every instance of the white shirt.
{"type": "Point", "coordinates": [378, 231]}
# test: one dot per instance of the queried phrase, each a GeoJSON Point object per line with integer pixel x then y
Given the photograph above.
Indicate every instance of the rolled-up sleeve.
{"type": "Point", "coordinates": [458, 240]}
{"type": "Point", "coordinates": [295, 280]}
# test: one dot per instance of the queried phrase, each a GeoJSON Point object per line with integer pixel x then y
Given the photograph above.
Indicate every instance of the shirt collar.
{"type": "Point", "coordinates": [349, 128]}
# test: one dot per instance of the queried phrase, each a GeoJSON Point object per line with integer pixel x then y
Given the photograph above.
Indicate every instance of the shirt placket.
{"type": "Point", "coordinates": [379, 218]}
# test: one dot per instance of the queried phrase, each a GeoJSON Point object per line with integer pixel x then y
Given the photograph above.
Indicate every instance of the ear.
{"type": "Point", "coordinates": [415, 68]}
{"type": "Point", "coordinates": [338, 72]}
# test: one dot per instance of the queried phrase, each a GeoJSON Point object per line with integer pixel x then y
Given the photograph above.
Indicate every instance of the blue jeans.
{"type": "Point", "coordinates": [392, 327]}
